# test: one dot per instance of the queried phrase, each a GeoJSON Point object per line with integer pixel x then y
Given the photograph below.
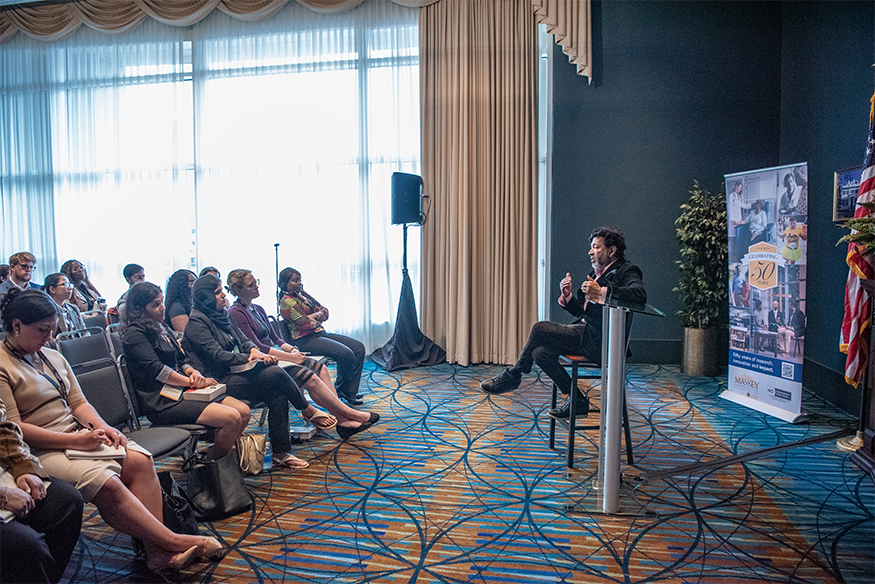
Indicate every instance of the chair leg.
{"type": "Point", "coordinates": [263, 416]}
{"type": "Point", "coordinates": [553, 421]}
{"type": "Point", "coordinates": [629, 457]}
{"type": "Point", "coordinates": [572, 416]}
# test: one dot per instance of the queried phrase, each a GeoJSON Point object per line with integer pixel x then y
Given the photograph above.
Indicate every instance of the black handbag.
{"type": "Point", "coordinates": [178, 511]}
{"type": "Point", "coordinates": [216, 488]}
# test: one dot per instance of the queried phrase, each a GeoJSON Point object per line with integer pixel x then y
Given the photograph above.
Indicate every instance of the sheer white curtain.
{"type": "Point", "coordinates": [97, 158]}
{"type": "Point", "coordinates": [184, 147]}
{"type": "Point", "coordinates": [301, 121]}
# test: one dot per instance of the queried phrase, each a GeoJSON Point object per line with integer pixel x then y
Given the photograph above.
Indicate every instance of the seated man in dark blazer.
{"type": "Point", "coordinates": [613, 276]}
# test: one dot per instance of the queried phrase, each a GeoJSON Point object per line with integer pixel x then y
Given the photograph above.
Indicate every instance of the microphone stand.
{"type": "Point", "coordinates": [276, 251]}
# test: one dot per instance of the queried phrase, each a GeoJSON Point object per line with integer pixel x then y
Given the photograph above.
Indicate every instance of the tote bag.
{"type": "Point", "coordinates": [216, 488]}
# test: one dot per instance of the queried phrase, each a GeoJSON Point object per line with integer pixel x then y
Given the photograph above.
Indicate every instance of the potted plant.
{"type": "Point", "coordinates": [702, 280]}
{"type": "Point", "coordinates": [862, 230]}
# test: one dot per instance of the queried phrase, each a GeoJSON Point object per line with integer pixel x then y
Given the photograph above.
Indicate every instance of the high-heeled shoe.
{"type": "Point", "coordinates": [168, 566]}
{"type": "Point", "coordinates": [211, 550]}
{"type": "Point", "coordinates": [375, 417]}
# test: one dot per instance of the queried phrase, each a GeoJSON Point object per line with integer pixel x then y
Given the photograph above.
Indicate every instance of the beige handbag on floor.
{"type": "Point", "coordinates": [250, 452]}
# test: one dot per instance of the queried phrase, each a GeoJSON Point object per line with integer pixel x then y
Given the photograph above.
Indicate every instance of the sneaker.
{"type": "Point", "coordinates": [564, 411]}
{"type": "Point", "coordinates": [503, 383]}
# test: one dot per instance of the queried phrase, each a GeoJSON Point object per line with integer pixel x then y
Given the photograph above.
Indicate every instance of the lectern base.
{"type": "Point", "coordinates": [592, 502]}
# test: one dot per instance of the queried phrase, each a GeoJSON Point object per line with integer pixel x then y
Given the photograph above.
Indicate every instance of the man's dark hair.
{"type": "Point", "coordinates": [613, 238]}
{"type": "Point", "coordinates": [132, 269]}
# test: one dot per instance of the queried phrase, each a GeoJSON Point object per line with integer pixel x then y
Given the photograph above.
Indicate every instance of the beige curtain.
{"type": "Point", "coordinates": [478, 70]}
{"type": "Point", "coordinates": [55, 22]}
{"type": "Point", "coordinates": [570, 21]}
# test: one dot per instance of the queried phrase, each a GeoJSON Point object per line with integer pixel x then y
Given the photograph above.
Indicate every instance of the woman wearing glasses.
{"type": "Point", "coordinates": [43, 397]}
{"type": "Point", "coordinates": [61, 291]}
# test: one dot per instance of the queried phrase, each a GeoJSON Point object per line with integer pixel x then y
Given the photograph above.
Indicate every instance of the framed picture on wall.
{"type": "Point", "coordinates": [847, 185]}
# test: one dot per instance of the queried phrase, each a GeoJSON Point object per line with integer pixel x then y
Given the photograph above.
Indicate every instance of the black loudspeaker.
{"type": "Point", "coordinates": [406, 198]}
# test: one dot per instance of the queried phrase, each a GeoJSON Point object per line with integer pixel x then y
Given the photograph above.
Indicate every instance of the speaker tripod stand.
{"type": "Point", "coordinates": [408, 347]}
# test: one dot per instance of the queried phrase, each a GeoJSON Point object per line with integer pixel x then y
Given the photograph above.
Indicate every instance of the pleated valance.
{"type": "Point", "coordinates": [570, 21]}
{"type": "Point", "coordinates": [55, 22]}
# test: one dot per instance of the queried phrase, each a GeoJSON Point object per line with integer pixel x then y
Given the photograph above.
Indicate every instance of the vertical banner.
{"type": "Point", "coordinates": [767, 213]}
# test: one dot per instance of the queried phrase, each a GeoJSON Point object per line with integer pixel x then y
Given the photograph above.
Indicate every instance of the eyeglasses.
{"type": "Point", "coordinates": [26, 267]}
{"type": "Point", "coordinates": [253, 285]}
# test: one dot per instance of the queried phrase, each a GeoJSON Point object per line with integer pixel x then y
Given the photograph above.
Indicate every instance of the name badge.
{"type": "Point", "coordinates": [171, 392]}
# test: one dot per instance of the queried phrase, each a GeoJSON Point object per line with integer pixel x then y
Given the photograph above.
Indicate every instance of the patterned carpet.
{"type": "Point", "coordinates": [456, 486]}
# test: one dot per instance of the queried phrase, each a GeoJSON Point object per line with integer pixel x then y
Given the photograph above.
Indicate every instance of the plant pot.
{"type": "Point", "coordinates": [702, 350]}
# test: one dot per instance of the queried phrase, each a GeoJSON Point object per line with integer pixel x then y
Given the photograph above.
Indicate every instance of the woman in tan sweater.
{"type": "Point", "coordinates": [42, 396]}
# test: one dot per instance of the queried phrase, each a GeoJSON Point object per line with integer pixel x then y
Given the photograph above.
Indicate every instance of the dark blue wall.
{"type": "Point", "coordinates": [696, 90]}
{"type": "Point", "coordinates": [826, 84]}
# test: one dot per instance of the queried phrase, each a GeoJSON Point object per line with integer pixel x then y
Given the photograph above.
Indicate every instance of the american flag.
{"type": "Point", "coordinates": [855, 328]}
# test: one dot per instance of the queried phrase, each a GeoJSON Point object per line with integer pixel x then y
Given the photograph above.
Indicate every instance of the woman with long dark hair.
{"type": "Point", "coordinates": [155, 359]}
{"type": "Point", "coordinates": [42, 396]}
{"type": "Point", "coordinates": [85, 293]}
{"type": "Point", "coordinates": [177, 299]}
{"type": "Point", "coordinates": [304, 317]}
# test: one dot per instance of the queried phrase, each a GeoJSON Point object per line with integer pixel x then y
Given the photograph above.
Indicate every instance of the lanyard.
{"type": "Point", "coordinates": [58, 382]}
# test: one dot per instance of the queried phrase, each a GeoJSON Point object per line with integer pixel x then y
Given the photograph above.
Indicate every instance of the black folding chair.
{"type": "Point", "coordinates": [196, 431]}
{"type": "Point", "coordinates": [84, 347]}
{"type": "Point", "coordinates": [104, 389]}
{"type": "Point", "coordinates": [94, 318]}
{"type": "Point", "coordinates": [113, 334]}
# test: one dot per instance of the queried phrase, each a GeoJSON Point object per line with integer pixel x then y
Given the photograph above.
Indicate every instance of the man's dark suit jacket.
{"type": "Point", "coordinates": [775, 321]}
{"type": "Point", "coordinates": [624, 282]}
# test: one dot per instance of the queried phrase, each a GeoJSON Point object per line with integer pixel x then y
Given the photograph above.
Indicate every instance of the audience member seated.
{"type": "Point", "coordinates": [61, 291]}
{"type": "Point", "coordinates": [177, 298]}
{"type": "Point", "coordinates": [39, 527]}
{"type": "Point", "coordinates": [42, 396]}
{"type": "Point", "coordinates": [304, 317]}
{"type": "Point", "coordinates": [307, 373]}
{"type": "Point", "coordinates": [21, 267]}
{"type": "Point", "coordinates": [85, 294]}
{"type": "Point", "coordinates": [155, 359]}
{"type": "Point", "coordinates": [133, 273]}
{"type": "Point", "coordinates": [210, 271]}
{"type": "Point", "coordinates": [4, 272]}
{"type": "Point", "coordinates": [216, 347]}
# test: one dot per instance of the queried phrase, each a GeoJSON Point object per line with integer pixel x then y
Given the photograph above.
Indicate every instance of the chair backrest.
{"type": "Point", "coordinates": [104, 389]}
{"type": "Point", "coordinates": [94, 318]}
{"type": "Point", "coordinates": [281, 329]}
{"type": "Point", "coordinates": [78, 350]}
{"type": "Point", "coordinates": [113, 333]}
{"type": "Point", "coordinates": [132, 393]}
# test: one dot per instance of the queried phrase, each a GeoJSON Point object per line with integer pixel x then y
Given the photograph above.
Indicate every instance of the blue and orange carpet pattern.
{"type": "Point", "coordinates": [456, 486]}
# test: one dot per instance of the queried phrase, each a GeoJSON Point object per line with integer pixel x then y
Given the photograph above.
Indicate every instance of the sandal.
{"type": "Point", "coordinates": [329, 423]}
{"type": "Point", "coordinates": [289, 460]}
